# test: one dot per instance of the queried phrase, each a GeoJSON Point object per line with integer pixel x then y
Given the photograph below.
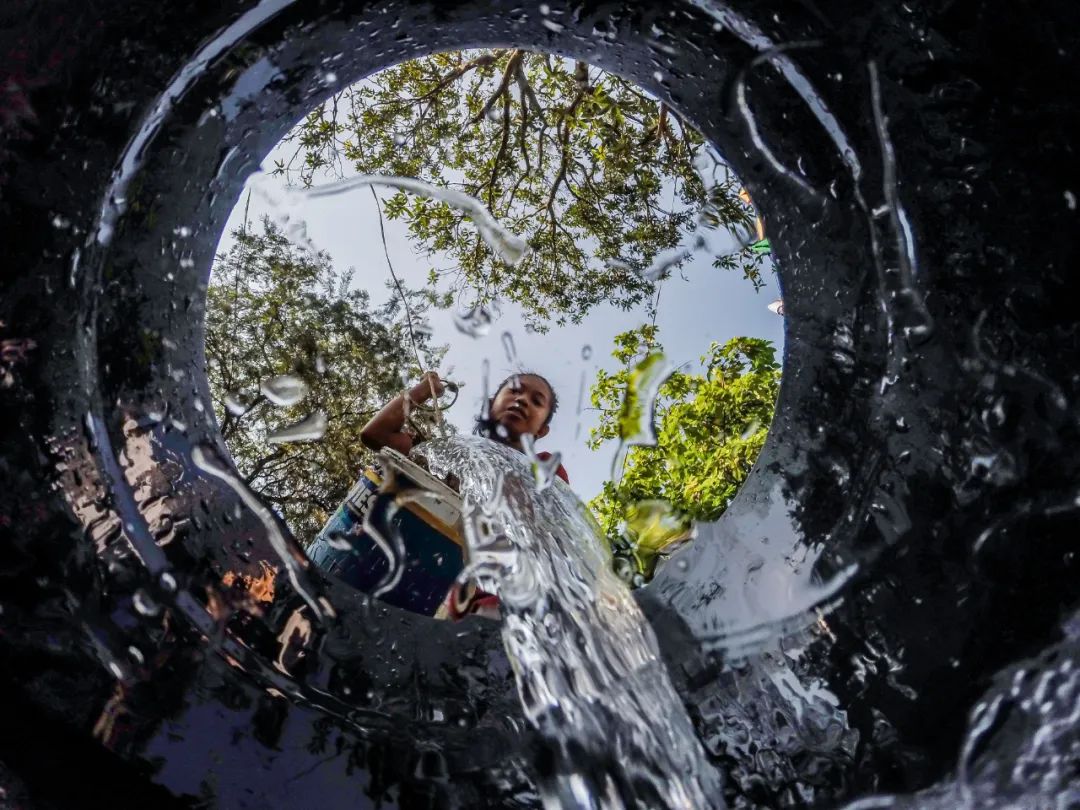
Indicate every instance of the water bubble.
{"type": "Point", "coordinates": [309, 429]}
{"type": "Point", "coordinates": [284, 390]}
{"type": "Point", "coordinates": [399, 139]}
{"type": "Point", "coordinates": [237, 402]}
{"type": "Point", "coordinates": [475, 322]}
{"type": "Point", "coordinates": [508, 347]}
{"type": "Point", "coordinates": [586, 352]}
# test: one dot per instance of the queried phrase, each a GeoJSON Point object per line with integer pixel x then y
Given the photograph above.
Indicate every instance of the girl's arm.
{"type": "Point", "coordinates": [384, 429]}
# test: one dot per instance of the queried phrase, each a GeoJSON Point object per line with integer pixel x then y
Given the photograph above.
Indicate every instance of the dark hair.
{"type": "Point", "coordinates": [484, 424]}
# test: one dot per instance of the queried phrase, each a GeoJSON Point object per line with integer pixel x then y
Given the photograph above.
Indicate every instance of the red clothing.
{"type": "Point", "coordinates": [561, 472]}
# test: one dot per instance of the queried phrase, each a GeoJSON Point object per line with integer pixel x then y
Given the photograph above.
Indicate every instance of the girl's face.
{"type": "Point", "coordinates": [522, 406]}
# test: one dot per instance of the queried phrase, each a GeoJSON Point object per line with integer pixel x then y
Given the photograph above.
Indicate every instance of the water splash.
{"type": "Point", "coordinates": [1022, 744]}
{"type": "Point", "coordinates": [544, 470]}
{"type": "Point", "coordinates": [475, 322]}
{"type": "Point", "coordinates": [636, 413]}
{"type": "Point", "coordinates": [309, 429]}
{"type": "Point", "coordinates": [507, 245]}
{"type": "Point", "coordinates": [586, 662]}
{"type": "Point", "coordinates": [508, 347]}
{"type": "Point", "coordinates": [284, 390]}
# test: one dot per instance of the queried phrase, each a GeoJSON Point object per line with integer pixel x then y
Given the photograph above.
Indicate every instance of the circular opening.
{"type": "Point", "coordinates": [605, 221]}
{"type": "Point", "coordinates": [295, 632]}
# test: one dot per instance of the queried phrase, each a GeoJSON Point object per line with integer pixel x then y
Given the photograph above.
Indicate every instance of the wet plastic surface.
{"type": "Point", "coordinates": [919, 486]}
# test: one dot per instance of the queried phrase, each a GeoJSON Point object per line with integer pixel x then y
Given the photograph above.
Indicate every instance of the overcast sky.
{"type": "Point", "coordinates": [708, 305]}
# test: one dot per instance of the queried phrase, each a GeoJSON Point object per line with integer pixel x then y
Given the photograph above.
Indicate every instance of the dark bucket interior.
{"type": "Point", "coordinates": [909, 159]}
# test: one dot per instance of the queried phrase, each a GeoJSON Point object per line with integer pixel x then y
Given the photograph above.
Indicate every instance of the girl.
{"type": "Point", "coordinates": [523, 404]}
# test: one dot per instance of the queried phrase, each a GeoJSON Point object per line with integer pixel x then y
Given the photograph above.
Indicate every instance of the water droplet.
{"type": "Point", "coordinates": [777, 307]}
{"type": "Point", "coordinates": [330, 78]}
{"type": "Point", "coordinates": [62, 223]}
{"type": "Point", "coordinates": [206, 458]}
{"type": "Point", "coordinates": [309, 429]}
{"type": "Point", "coordinates": [586, 352]}
{"type": "Point", "coordinates": [182, 231]}
{"type": "Point", "coordinates": [136, 655]}
{"type": "Point", "coordinates": [144, 604]}
{"type": "Point", "coordinates": [237, 402]}
{"type": "Point", "coordinates": [507, 245]}
{"type": "Point", "coordinates": [635, 416]}
{"type": "Point", "coordinates": [553, 26]}
{"type": "Point", "coordinates": [475, 322]}
{"type": "Point", "coordinates": [1070, 200]}
{"type": "Point", "coordinates": [339, 541]}
{"type": "Point", "coordinates": [167, 582]}
{"type": "Point", "coordinates": [544, 469]}
{"type": "Point", "coordinates": [399, 139]}
{"type": "Point", "coordinates": [751, 429]}
{"type": "Point", "coordinates": [508, 347]}
{"type": "Point", "coordinates": [284, 390]}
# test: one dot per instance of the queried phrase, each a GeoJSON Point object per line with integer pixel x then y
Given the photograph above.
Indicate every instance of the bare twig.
{"type": "Point", "coordinates": [397, 282]}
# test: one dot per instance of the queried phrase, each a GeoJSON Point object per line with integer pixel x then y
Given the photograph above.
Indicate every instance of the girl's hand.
{"type": "Point", "coordinates": [421, 392]}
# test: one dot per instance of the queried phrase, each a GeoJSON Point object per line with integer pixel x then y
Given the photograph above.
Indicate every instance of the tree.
{"type": "Point", "coordinates": [596, 175]}
{"type": "Point", "coordinates": [710, 427]}
{"type": "Point", "coordinates": [273, 310]}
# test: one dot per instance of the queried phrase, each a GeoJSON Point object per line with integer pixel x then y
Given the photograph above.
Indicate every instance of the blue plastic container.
{"type": "Point", "coordinates": [433, 550]}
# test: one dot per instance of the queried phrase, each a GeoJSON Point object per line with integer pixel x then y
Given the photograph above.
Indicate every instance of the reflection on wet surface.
{"type": "Point", "coordinates": [887, 607]}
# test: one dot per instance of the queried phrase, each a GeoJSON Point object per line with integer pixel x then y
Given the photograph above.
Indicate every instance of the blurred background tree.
{"type": "Point", "coordinates": [599, 177]}
{"type": "Point", "coordinates": [273, 310]}
{"type": "Point", "coordinates": [710, 428]}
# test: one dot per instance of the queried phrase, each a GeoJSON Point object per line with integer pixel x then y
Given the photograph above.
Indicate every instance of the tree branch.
{"type": "Point", "coordinates": [261, 464]}
{"type": "Point", "coordinates": [504, 83]}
